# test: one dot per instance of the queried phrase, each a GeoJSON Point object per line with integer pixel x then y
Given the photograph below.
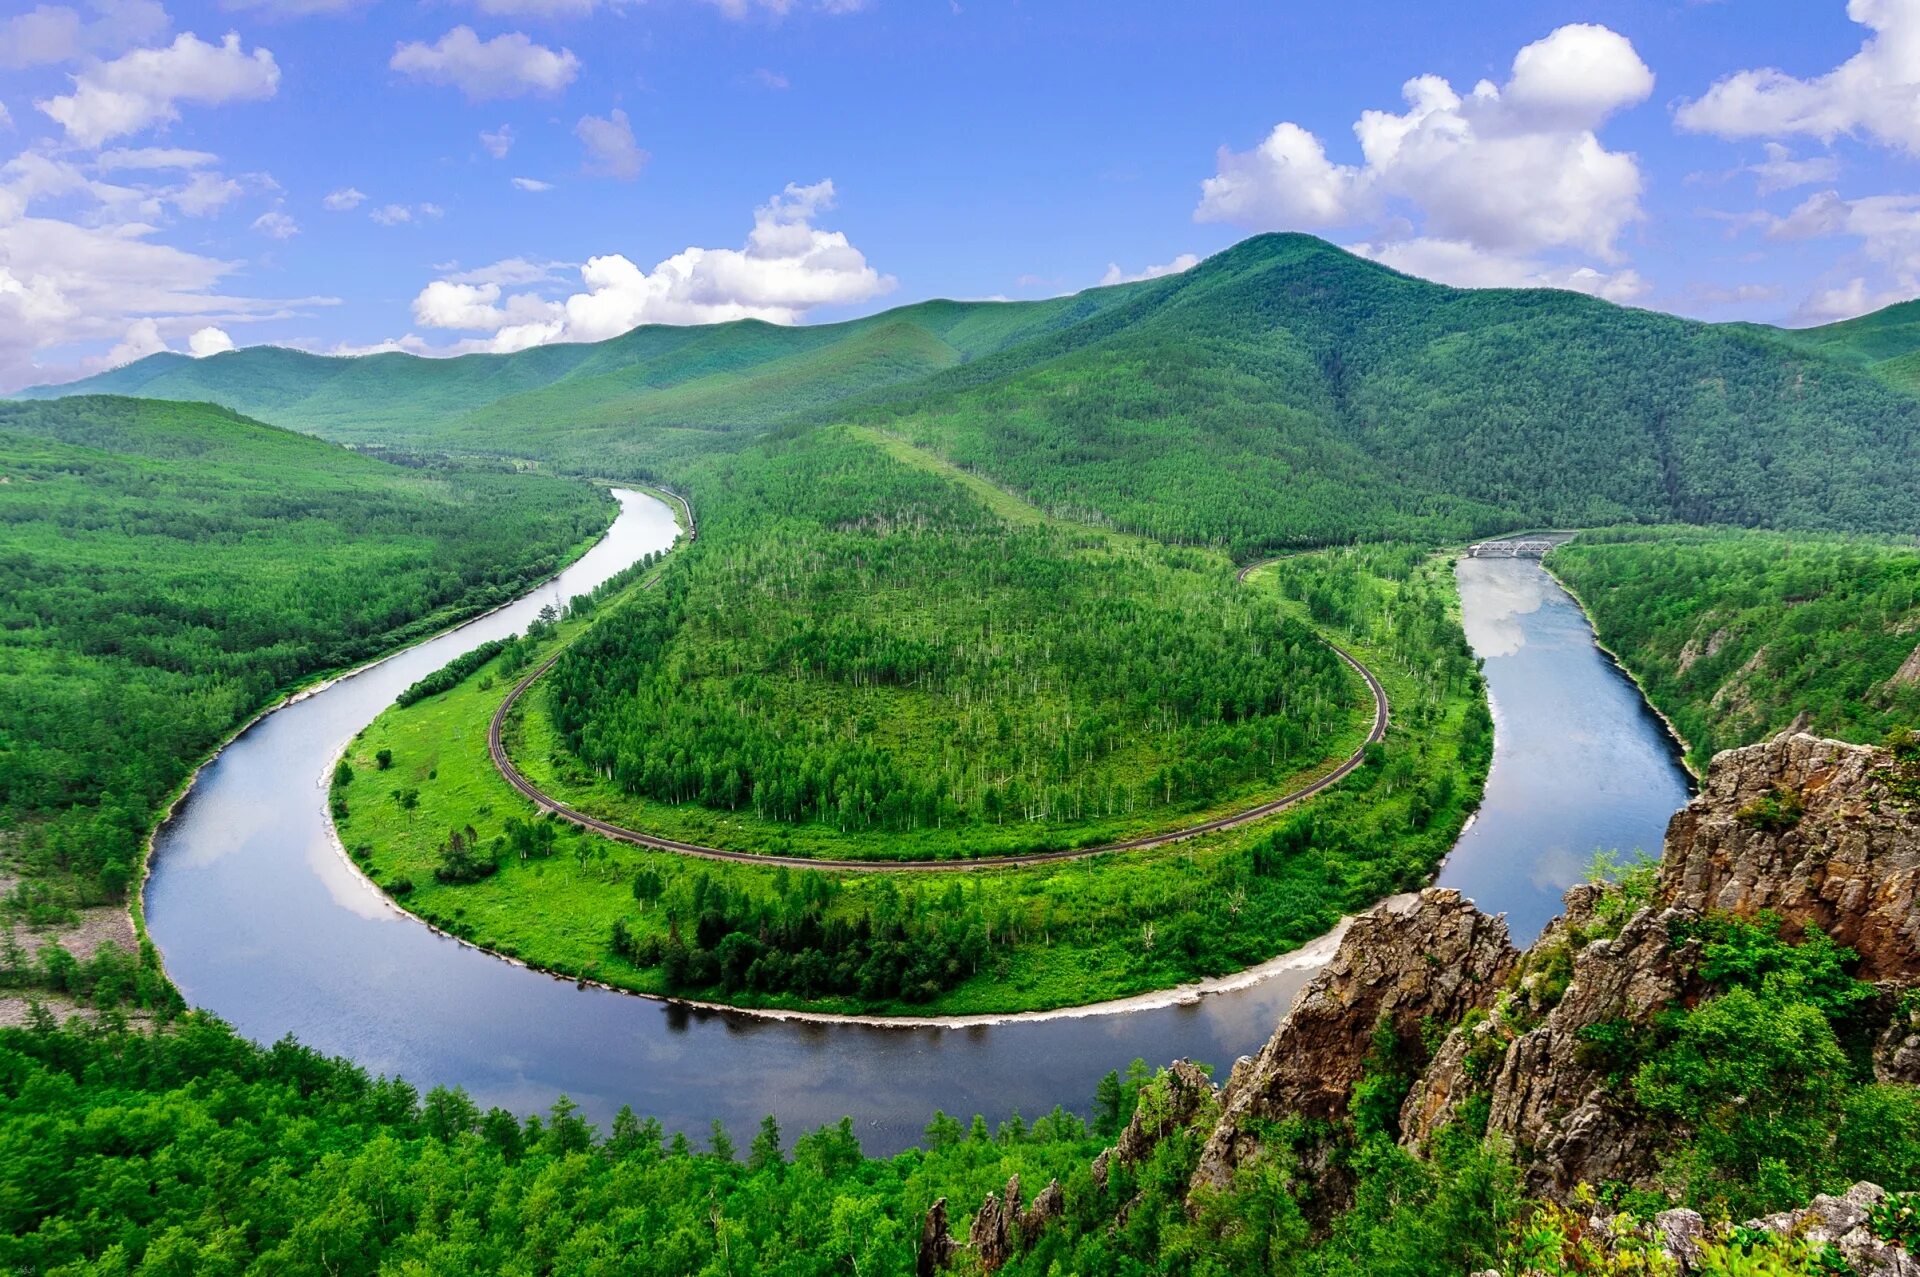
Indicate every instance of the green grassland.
{"type": "Point", "coordinates": [983, 941]}
{"type": "Point", "coordinates": [171, 569]}
{"type": "Point", "coordinates": [1736, 635]}
{"type": "Point", "coordinates": [1281, 394]}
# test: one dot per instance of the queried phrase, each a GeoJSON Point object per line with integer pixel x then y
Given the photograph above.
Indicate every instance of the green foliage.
{"type": "Point", "coordinates": [1036, 937]}
{"type": "Point", "coordinates": [171, 568]}
{"type": "Point", "coordinates": [859, 643]}
{"type": "Point", "coordinates": [1735, 635]}
{"type": "Point", "coordinates": [454, 672]}
{"type": "Point", "coordinates": [1282, 393]}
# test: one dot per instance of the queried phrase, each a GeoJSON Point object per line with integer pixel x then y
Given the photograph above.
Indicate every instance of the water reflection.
{"type": "Point", "coordinates": [1580, 764]}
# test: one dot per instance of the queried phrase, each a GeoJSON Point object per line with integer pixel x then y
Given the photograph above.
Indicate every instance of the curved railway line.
{"type": "Point", "coordinates": [496, 747]}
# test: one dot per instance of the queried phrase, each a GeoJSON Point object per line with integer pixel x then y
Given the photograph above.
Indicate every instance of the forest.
{"type": "Point", "coordinates": [171, 569]}
{"type": "Point", "coordinates": [192, 1151]}
{"type": "Point", "coordinates": [1044, 936]}
{"type": "Point", "coordinates": [1282, 393]}
{"type": "Point", "coordinates": [1737, 635]}
{"type": "Point", "coordinates": [858, 643]}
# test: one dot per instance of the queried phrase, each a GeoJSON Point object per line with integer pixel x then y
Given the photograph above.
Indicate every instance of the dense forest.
{"type": "Point", "coordinates": [858, 642]}
{"type": "Point", "coordinates": [193, 1152]}
{"type": "Point", "coordinates": [437, 825]}
{"type": "Point", "coordinates": [1738, 635]}
{"type": "Point", "coordinates": [1281, 393]}
{"type": "Point", "coordinates": [172, 568]}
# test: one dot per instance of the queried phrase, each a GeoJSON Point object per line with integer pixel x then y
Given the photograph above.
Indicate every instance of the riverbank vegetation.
{"type": "Point", "coordinates": [982, 941]}
{"type": "Point", "coordinates": [1737, 635]}
{"type": "Point", "coordinates": [171, 569]}
{"type": "Point", "coordinates": [193, 1151]}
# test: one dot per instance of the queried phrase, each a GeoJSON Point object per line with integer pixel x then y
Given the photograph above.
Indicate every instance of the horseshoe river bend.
{"type": "Point", "coordinates": [262, 921]}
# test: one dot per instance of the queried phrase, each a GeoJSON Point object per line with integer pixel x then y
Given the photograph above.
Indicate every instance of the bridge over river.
{"type": "Point", "coordinates": [1519, 547]}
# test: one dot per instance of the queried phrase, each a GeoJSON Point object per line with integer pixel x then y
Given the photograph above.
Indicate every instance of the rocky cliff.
{"type": "Point", "coordinates": [1428, 989]}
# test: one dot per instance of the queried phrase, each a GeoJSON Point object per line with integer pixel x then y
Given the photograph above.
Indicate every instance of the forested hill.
{"type": "Point", "coordinates": [169, 568]}
{"type": "Point", "coordinates": [1886, 341]}
{"type": "Point", "coordinates": [1282, 392]}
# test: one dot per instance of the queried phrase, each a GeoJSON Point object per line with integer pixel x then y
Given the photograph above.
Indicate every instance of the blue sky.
{"type": "Point", "coordinates": [448, 175]}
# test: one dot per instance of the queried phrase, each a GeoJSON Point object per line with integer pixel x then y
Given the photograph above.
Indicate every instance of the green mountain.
{"type": "Point", "coordinates": [1282, 392]}
{"type": "Point", "coordinates": [1886, 342]}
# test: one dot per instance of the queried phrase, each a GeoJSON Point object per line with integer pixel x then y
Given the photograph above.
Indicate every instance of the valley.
{"type": "Point", "coordinates": [1048, 685]}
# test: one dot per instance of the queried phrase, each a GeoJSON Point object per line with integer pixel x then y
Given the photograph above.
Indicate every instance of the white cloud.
{"type": "Point", "coordinates": [531, 184]}
{"type": "Point", "coordinates": [1848, 300]}
{"type": "Point", "coordinates": [787, 268]}
{"type": "Point", "coordinates": [1886, 229]}
{"type": "Point", "coordinates": [49, 34]}
{"type": "Point", "coordinates": [1780, 171]}
{"type": "Point", "coordinates": [143, 338]}
{"type": "Point", "coordinates": [1114, 275]}
{"type": "Point", "coordinates": [400, 214]}
{"type": "Point", "coordinates": [145, 87]}
{"type": "Point", "coordinates": [507, 66]}
{"type": "Point", "coordinates": [152, 157]}
{"type": "Point", "coordinates": [611, 150]}
{"type": "Point", "coordinates": [205, 193]}
{"type": "Point", "coordinates": [769, 79]}
{"type": "Point", "coordinates": [1875, 93]}
{"type": "Point", "coordinates": [498, 143]}
{"type": "Point", "coordinates": [511, 271]}
{"type": "Point", "coordinates": [275, 224]}
{"type": "Point", "coordinates": [1506, 170]}
{"type": "Point", "coordinates": [70, 289]}
{"type": "Point", "coordinates": [1465, 265]}
{"type": "Point", "coordinates": [6, 117]}
{"type": "Point", "coordinates": [209, 341]}
{"type": "Point", "coordinates": [343, 200]}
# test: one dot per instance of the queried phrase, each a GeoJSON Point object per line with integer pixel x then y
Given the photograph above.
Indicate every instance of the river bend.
{"type": "Point", "coordinates": [262, 922]}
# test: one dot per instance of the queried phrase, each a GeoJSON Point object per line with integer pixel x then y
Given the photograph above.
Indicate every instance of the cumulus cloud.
{"type": "Point", "coordinates": [1886, 233]}
{"type": "Point", "coordinates": [611, 149]}
{"type": "Point", "coordinates": [531, 184]}
{"type": "Point", "coordinates": [143, 338]}
{"type": "Point", "coordinates": [507, 66]}
{"type": "Point", "coordinates": [499, 142]}
{"type": "Point", "coordinates": [275, 224]}
{"type": "Point", "coordinates": [1508, 170]}
{"type": "Point", "coordinates": [787, 268]}
{"type": "Point", "coordinates": [209, 341]}
{"type": "Point", "coordinates": [1114, 275]}
{"type": "Point", "coordinates": [344, 200]}
{"type": "Point", "coordinates": [511, 271]}
{"type": "Point", "coordinates": [1467, 265]}
{"type": "Point", "coordinates": [145, 87]}
{"type": "Point", "coordinates": [1875, 93]}
{"type": "Point", "coordinates": [49, 34]}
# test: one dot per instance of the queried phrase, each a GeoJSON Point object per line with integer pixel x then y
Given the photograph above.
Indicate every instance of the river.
{"type": "Point", "coordinates": [263, 923]}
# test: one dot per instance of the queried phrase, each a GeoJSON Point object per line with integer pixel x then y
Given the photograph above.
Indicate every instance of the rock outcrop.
{"type": "Point", "coordinates": [1547, 1087]}
{"type": "Point", "coordinates": [1174, 1102]}
{"type": "Point", "coordinates": [1414, 961]}
{"type": "Point", "coordinates": [1001, 1229]}
{"type": "Point", "coordinates": [1815, 831]}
